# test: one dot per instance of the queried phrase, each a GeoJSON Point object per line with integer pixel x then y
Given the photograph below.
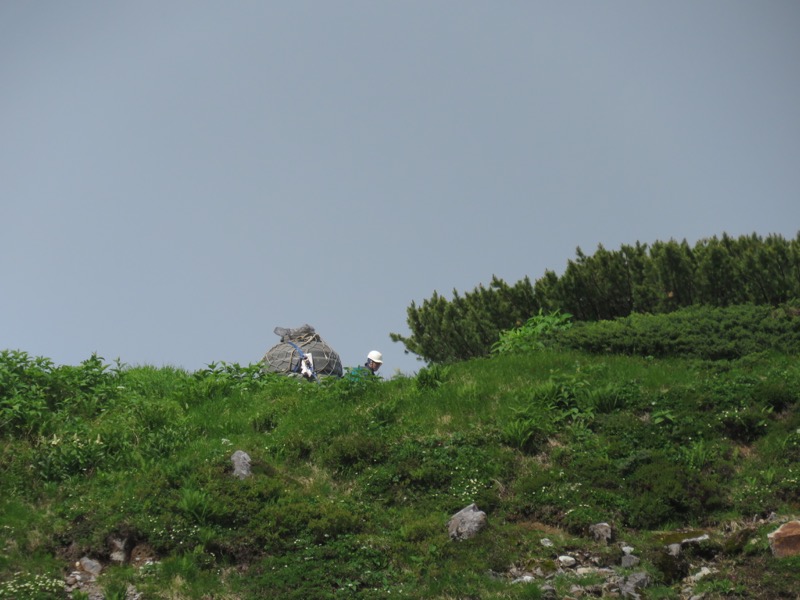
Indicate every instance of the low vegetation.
{"type": "Point", "coordinates": [641, 279]}
{"type": "Point", "coordinates": [354, 480]}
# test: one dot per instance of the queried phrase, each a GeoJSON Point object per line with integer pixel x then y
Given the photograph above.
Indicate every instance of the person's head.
{"type": "Point", "coordinates": [374, 360]}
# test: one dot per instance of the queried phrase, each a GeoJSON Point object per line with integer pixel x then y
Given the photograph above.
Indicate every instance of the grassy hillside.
{"type": "Point", "coordinates": [354, 480]}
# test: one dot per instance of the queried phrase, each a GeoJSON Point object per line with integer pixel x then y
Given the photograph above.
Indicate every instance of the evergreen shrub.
{"type": "Point", "coordinates": [702, 332]}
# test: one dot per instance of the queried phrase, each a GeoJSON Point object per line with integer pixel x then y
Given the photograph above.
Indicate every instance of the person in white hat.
{"type": "Point", "coordinates": [374, 361]}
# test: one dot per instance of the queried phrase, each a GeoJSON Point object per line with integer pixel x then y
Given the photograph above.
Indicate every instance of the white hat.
{"type": "Point", "coordinates": [375, 356]}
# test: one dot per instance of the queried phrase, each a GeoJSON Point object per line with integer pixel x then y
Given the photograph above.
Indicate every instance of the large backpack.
{"type": "Point", "coordinates": [302, 352]}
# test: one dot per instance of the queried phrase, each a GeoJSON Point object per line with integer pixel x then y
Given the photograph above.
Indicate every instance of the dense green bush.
{"type": "Point", "coordinates": [693, 332]}
{"type": "Point", "coordinates": [33, 390]}
{"type": "Point", "coordinates": [611, 284]}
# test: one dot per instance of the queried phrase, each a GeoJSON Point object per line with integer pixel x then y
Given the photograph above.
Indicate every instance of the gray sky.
{"type": "Point", "coordinates": [178, 178]}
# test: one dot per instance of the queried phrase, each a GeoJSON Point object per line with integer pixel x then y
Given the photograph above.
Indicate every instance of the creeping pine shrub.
{"type": "Point", "coordinates": [776, 393]}
{"type": "Point", "coordinates": [745, 424]}
{"type": "Point", "coordinates": [343, 567]}
{"type": "Point", "coordinates": [352, 452]}
{"type": "Point", "coordinates": [661, 491]}
{"type": "Point", "coordinates": [541, 495]}
{"type": "Point", "coordinates": [694, 331]}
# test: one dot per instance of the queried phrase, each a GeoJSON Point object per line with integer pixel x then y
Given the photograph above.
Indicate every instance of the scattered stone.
{"type": "Point", "coordinates": [674, 549]}
{"type": "Point", "coordinates": [602, 532]}
{"type": "Point", "coordinates": [548, 592]}
{"type": "Point", "coordinates": [524, 579]}
{"type": "Point", "coordinates": [567, 561]}
{"type": "Point", "coordinates": [241, 464]}
{"type": "Point", "coordinates": [466, 523]}
{"type": "Point", "coordinates": [695, 540]}
{"type": "Point", "coordinates": [785, 541]}
{"type": "Point", "coordinates": [582, 571]}
{"type": "Point", "coordinates": [131, 593]}
{"type": "Point", "coordinates": [90, 566]}
{"type": "Point", "coordinates": [546, 543]}
{"type": "Point", "coordinates": [703, 572]}
{"type": "Point", "coordinates": [635, 582]}
{"type": "Point", "coordinates": [627, 550]}
{"type": "Point", "coordinates": [629, 561]}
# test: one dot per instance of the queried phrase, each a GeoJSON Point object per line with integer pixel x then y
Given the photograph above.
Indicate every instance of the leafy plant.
{"type": "Point", "coordinates": [534, 334]}
{"type": "Point", "coordinates": [431, 377]}
{"type": "Point", "coordinates": [197, 504]}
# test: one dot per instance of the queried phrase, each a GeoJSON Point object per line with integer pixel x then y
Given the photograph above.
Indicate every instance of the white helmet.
{"type": "Point", "coordinates": [375, 356]}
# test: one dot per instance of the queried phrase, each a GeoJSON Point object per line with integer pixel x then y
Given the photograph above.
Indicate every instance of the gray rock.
{"type": "Point", "coordinates": [567, 561]}
{"type": "Point", "coordinates": [241, 464]}
{"type": "Point", "coordinates": [90, 566]}
{"type": "Point", "coordinates": [703, 572]}
{"type": "Point", "coordinates": [466, 523]}
{"type": "Point", "coordinates": [674, 549]}
{"type": "Point", "coordinates": [583, 571]}
{"type": "Point", "coordinates": [602, 532]}
{"type": "Point", "coordinates": [696, 540]}
{"type": "Point", "coordinates": [629, 561]}
{"type": "Point", "coordinates": [633, 584]}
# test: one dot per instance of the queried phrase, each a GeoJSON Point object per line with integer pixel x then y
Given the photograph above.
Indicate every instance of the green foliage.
{"type": "Point", "coordinates": [466, 327]}
{"type": "Point", "coordinates": [353, 481]}
{"type": "Point", "coordinates": [693, 332]}
{"type": "Point", "coordinates": [346, 567]}
{"type": "Point", "coordinates": [27, 586]}
{"type": "Point", "coordinates": [614, 284]}
{"type": "Point", "coordinates": [115, 590]}
{"type": "Point", "coordinates": [431, 377]}
{"type": "Point", "coordinates": [663, 491]}
{"type": "Point", "coordinates": [34, 390]}
{"type": "Point", "coordinates": [533, 335]}
{"type": "Point", "coordinates": [197, 505]}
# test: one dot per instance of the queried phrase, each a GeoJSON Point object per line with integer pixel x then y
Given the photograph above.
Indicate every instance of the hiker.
{"type": "Point", "coordinates": [368, 369]}
{"type": "Point", "coordinates": [374, 361]}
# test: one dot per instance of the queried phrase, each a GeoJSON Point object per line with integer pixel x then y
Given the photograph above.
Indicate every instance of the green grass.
{"type": "Point", "coordinates": [354, 481]}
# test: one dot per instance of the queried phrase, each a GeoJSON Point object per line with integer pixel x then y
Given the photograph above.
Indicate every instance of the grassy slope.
{"type": "Point", "coordinates": [354, 481]}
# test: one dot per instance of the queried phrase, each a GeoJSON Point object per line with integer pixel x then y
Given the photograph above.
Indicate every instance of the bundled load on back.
{"type": "Point", "coordinates": [302, 352]}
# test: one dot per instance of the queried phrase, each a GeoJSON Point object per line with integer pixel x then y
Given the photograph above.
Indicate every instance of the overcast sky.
{"type": "Point", "coordinates": [180, 177]}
